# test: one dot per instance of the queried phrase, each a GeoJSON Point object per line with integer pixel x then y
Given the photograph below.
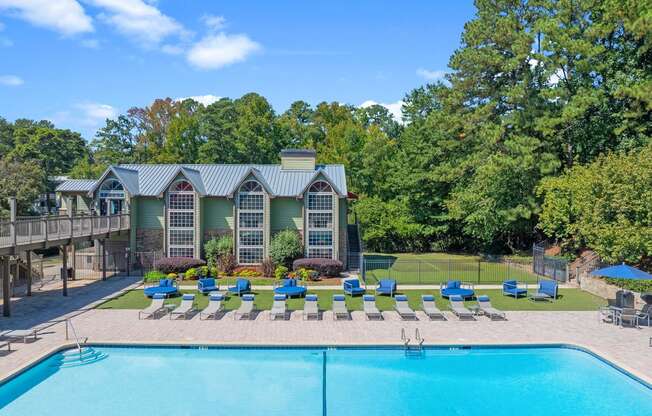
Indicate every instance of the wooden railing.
{"type": "Point", "coordinates": [29, 230]}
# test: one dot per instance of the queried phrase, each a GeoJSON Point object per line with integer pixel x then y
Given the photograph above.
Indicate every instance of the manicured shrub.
{"type": "Point", "coordinates": [325, 267]}
{"type": "Point", "coordinates": [203, 271]}
{"type": "Point", "coordinates": [154, 276]}
{"type": "Point", "coordinates": [285, 247]}
{"type": "Point", "coordinates": [191, 274]}
{"type": "Point", "coordinates": [177, 264]}
{"type": "Point", "coordinates": [268, 267]}
{"type": "Point", "coordinates": [217, 247]}
{"type": "Point", "coordinates": [227, 263]}
{"type": "Point", "coordinates": [281, 272]}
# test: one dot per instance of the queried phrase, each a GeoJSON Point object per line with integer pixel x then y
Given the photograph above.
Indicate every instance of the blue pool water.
{"type": "Point", "coordinates": [252, 382]}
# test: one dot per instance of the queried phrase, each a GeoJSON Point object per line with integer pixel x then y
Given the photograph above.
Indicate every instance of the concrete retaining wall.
{"type": "Point", "coordinates": [599, 287]}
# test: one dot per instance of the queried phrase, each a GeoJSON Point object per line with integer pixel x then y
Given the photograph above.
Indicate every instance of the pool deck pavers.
{"type": "Point", "coordinates": [626, 347]}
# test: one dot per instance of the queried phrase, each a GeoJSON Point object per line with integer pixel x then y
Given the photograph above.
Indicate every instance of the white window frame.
{"type": "Point", "coordinates": [331, 211]}
{"type": "Point", "coordinates": [257, 190]}
{"type": "Point", "coordinates": [107, 194]}
{"type": "Point", "coordinates": [190, 247]}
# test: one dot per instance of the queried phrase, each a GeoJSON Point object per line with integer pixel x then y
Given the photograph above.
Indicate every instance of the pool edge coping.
{"type": "Point", "coordinates": [634, 374]}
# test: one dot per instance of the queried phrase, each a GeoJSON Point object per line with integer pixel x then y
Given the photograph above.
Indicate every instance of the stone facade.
{"type": "Point", "coordinates": [148, 239]}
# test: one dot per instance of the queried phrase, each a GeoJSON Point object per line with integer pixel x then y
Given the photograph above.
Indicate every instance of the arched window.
{"type": "Point", "coordinates": [251, 217]}
{"type": "Point", "coordinates": [320, 220]}
{"type": "Point", "coordinates": [181, 220]}
{"type": "Point", "coordinates": [111, 197]}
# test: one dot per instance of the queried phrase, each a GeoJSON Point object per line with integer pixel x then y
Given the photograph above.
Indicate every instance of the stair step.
{"type": "Point", "coordinates": [74, 358]}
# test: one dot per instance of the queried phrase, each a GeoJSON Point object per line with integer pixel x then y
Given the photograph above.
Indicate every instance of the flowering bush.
{"type": "Point", "coordinates": [177, 264]}
{"type": "Point", "coordinates": [325, 267]}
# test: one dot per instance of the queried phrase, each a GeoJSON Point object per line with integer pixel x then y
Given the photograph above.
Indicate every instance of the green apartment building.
{"type": "Point", "coordinates": [176, 209]}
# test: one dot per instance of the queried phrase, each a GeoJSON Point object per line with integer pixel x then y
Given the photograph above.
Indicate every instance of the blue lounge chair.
{"type": "Point", "coordinates": [547, 290]}
{"type": "Point", "coordinates": [510, 288]}
{"type": "Point", "coordinates": [456, 288]}
{"type": "Point", "coordinates": [241, 286]}
{"type": "Point", "coordinates": [207, 285]}
{"type": "Point", "coordinates": [167, 287]}
{"type": "Point", "coordinates": [352, 287]}
{"type": "Point", "coordinates": [386, 287]}
{"type": "Point", "coordinates": [289, 288]}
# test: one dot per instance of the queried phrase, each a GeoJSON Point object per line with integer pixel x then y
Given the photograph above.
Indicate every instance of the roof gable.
{"type": "Point", "coordinates": [247, 174]}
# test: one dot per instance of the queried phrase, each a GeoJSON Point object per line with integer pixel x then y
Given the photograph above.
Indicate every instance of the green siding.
{"type": "Point", "coordinates": [343, 212]}
{"type": "Point", "coordinates": [83, 204]}
{"type": "Point", "coordinates": [286, 214]}
{"type": "Point", "coordinates": [217, 213]}
{"type": "Point", "coordinates": [150, 213]}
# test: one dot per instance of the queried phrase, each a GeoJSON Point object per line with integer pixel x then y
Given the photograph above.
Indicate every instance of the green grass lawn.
{"type": "Point", "coordinates": [434, 268]}
{"type": "Point", "coordinates": [569, 300]}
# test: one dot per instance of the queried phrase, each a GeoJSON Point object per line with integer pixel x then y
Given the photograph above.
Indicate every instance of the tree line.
{"type": "Point", "coordinates": [536, 91]}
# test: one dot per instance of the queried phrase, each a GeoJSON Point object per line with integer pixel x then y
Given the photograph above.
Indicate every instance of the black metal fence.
{"type": "Point", "coordinates": [543, 265]}
{"type": "Point", "coordinates": [438, 271]}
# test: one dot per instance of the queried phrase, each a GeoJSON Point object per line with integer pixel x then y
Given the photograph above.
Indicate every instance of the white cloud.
{"type": "Point", "coordinates": [213, 22]}
{"type": "Point", "coordinates": [64, 16]}
{"type": "Point", "coordinates": [207, 99]}
{"type": "Point", "coordinates": [11, 80]}
{"type": "Point", "coordinates": [395, 109]}
{"type": "Point", "coordinates": [219, 50]}
{"type": "Point", "coordinates": [93, 114]}
{"type": "Point", "coordinates": [431, 75]}
{"type": "Point", "coordinates": [137, 19]}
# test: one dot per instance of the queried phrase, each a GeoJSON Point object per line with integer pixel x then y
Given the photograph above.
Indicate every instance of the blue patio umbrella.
{"type": "Point", "coordinates": [622, 271]}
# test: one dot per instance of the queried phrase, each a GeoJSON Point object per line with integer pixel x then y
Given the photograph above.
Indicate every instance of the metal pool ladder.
{"type": "Point", "coordinates": [78, 341]}
{"type": "Point", "coordinates": [412, 349]}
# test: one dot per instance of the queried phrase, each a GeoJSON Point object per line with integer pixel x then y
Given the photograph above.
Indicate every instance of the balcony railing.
{"type": "Point", "coordinates": [29, 230]}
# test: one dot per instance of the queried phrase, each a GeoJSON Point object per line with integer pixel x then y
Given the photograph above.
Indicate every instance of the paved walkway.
{"type": "Point", "coordinates": [628, 348]}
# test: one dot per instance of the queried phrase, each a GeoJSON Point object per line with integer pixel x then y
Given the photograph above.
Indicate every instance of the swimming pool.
{"type": "Point", "coordinates": [318, 381]}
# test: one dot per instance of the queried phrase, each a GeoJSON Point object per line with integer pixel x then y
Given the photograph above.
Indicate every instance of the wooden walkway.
{"type": "Point", "coordinates": [32, 233]}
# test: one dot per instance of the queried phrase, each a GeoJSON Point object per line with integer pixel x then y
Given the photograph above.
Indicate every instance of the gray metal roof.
{"type": "Point", "coordinates": [76, 185]}
{"type": "Point", "coordinates": [220, 180]}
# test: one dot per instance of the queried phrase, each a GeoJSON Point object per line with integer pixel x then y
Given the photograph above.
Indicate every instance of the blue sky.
{"type": "Point", "coordinates": [77, 62]}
